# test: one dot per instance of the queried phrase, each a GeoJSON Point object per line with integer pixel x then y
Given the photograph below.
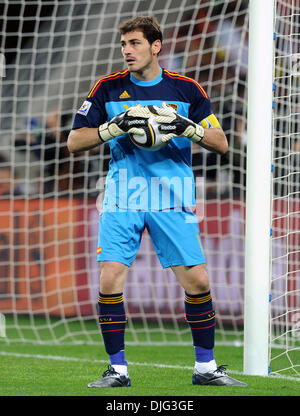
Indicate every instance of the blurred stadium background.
{"type": "Point", "coordinates": [51, 54]}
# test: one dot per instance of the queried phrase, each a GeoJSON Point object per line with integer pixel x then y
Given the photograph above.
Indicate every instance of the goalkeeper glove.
{"type": "Point", "coordinates": [175, 125]}
{"type": "Point", "coordinates": [132, 121]}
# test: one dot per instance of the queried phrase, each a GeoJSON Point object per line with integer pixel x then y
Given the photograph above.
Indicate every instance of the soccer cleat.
{"type": "Point", "coordinates": [217, 377]}
{"type": "Point", "coordinates": [110, 378]}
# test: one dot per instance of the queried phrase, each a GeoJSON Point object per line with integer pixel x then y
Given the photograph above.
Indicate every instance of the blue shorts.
{"type": "Point", "coordinates": [175, 237]}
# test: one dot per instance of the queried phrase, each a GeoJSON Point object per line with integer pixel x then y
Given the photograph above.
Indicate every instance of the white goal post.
{"type": "Point", "coordinates": [258, 190]}
{"type": "Point", "coordinates": [272, 263]}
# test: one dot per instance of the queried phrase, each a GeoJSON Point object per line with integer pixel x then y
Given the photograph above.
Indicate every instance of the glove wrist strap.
{"type": "Point", "coordinates": [103, 133]}
{"type": "Point", "coordinates": [198, 134]}
{"type": "Point", "coordinates": [108, 131]}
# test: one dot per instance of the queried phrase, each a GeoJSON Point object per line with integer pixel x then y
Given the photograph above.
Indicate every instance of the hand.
{"type": "Point", "coordinates": [132, 121]}
{"type": "Point", "coordinates": [175, 125]}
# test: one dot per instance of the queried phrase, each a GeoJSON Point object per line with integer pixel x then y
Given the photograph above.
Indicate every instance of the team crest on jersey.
{"type": "Point", "coordinates": [175, 106]}
{"type": "Point", "coordinates": [84, 109]}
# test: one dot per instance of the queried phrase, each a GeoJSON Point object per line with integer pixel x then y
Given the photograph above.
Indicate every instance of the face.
{"type": "Point", "coordinates": [138, 54]}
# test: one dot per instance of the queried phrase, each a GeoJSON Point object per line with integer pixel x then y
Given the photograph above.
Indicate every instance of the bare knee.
{"type": "Point", "coordinates": [112, 277]}
{"type": "Point", "coordinates": [198, 282]}
{"type": "Point", "coordinates": [193, 279]}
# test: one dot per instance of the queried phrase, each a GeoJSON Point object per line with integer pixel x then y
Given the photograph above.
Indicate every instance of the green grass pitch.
{"type": "Point", "coordinates": [43, 368]}
{"type": "Point", "coordinates": [65, 370]}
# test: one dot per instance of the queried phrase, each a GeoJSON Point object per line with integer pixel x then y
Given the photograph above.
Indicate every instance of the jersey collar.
{"type": "Point", "coordinates": [147, 83]}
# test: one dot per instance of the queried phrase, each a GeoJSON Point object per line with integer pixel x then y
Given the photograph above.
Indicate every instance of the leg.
{"type": "Point", "coordinates": [118, 243]}
{"type": "Point", "coordinates": [112, 320]}
{"type": "Point", "coordinates": [178, 245]}
{"type": "Point", "coordinates": [193, 279]}
{"type": "Point", "coordinates": [201, 318]}
{"type": "Point", "coordinates": [199, 312]}
{"type": "Point", "coordinates": [112, 277]}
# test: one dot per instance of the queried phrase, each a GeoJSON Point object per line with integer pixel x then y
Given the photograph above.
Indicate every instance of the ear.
{"type": "Point", "coordinates": [156, 47]}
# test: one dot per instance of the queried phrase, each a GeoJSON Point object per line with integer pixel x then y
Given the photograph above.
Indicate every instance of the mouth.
{"type": "Point", "coordinates": [130, 61]}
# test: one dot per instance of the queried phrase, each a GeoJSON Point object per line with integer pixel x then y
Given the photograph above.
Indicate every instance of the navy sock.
{"type": "Point", "coordinates": [200, 316]}
{"type": "Point", "coordinates": [112, 320]}
{"type": "Point", "coordinates": [204, 355]}
{"type": "Point", "coordinates": [118, 358]}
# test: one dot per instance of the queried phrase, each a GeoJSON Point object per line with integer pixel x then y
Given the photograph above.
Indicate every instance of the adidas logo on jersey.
{"type": "Point", "coordinates": [124, 95]}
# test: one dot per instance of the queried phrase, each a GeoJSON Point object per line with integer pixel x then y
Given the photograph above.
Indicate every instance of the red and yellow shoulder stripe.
{"type": "Point", "coordinates": [175, 75]}
{"type": "Point", "coordinates": [114, 75]}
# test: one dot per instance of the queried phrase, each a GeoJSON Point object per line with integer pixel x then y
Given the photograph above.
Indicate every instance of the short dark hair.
{"type": "Point", "coordinates": [148, 25]}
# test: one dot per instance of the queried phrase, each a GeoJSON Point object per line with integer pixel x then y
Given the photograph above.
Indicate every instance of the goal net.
{"type": "Point", "coordinates": [50, 55]}
{"type": "Point", "coordinates": [285, 240]}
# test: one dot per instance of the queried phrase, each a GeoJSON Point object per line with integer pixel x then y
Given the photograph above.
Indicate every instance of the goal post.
{"type": "Point", "coordinates": [258, 189]}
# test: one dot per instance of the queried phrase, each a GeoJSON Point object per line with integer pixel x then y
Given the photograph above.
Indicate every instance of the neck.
{"type": "Point", "coordinates": [147, 74]}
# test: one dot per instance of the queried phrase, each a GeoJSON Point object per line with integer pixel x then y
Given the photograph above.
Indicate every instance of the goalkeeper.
{"type": "Point", "coordinates": [114, 107]}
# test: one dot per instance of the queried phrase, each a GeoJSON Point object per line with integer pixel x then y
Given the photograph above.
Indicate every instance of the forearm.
{"type": "Point", "coordinates": [215, 139]}
{"type": "Point", "coordinates": [87, 138]}
{"type": "Point", "coordinates": [83, 139]}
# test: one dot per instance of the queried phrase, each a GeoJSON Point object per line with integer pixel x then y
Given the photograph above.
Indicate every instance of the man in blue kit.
{"type": "Point", "coordinates": [116, 106]}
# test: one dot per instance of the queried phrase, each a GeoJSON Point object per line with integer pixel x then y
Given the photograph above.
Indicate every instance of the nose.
{"type": "Point", "coordinates": [126, 49]}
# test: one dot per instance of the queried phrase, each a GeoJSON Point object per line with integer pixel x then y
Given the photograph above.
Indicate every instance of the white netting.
{"type": "Point", "coordinates": [285, 279]}
{"type": "Point", "coordinates": [53, 52]}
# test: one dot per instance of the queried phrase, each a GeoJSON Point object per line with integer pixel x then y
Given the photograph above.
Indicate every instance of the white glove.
{"type": "Point", "coordinates": [132, 121]}
{"type": "Point", "coordinates": [175, 125]}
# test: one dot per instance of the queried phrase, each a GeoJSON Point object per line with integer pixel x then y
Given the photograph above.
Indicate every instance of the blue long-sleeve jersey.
{"type": "Point", "coordinates": [137, 178]}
